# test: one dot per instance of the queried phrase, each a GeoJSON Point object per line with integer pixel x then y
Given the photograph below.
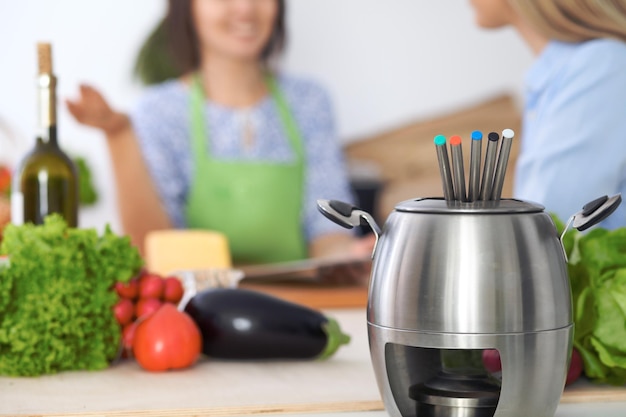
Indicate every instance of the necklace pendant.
{"type": "Point", "coordinates": [247, 133]}
{"type": "Point", "coordinates": [248, 138]}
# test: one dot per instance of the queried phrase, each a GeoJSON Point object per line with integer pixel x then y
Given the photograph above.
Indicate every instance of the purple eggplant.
{"type": "Point", "coordinates": [245, 324]}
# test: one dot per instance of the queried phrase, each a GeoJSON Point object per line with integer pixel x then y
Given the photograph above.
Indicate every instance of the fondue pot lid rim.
{"type": "Point", "coordinates": [441, 206]}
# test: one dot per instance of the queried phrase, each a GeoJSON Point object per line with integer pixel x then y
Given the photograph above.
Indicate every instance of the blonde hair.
{"type": "Point", "coordinates": [575, 20]}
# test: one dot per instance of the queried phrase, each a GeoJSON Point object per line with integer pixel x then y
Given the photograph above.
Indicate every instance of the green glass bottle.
{"type": "Point", "coordinates": [46, 180]}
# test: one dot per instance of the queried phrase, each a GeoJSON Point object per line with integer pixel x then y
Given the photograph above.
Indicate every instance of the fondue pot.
{"type": "Point", "coordinates": [451, 279]}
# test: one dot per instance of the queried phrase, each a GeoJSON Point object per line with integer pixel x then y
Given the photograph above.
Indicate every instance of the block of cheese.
{"type": "Point", "coordinates": [167, 251]}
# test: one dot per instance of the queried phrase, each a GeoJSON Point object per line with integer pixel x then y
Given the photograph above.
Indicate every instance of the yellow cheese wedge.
{"type": "Point", "coordinates": [167, 251]}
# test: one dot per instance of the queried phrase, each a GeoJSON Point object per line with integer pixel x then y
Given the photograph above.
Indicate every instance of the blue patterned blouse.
{"type": "Point", "coordinates": [161, 121]}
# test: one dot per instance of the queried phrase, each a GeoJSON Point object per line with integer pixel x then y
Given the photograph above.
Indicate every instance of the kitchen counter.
{"type": "Point", "coordinates": [342, 386]}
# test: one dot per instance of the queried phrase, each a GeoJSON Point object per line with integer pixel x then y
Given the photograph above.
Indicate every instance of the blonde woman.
{"type": "Point", "coordinates": [574, 124]}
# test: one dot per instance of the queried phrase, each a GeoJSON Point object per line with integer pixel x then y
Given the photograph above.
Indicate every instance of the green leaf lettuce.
{"type": "Point", "coordinates": [597, 272]}
{"type": "Point", "coordinates": [56, 297]}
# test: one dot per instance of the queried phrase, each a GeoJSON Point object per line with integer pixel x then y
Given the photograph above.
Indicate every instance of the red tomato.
{"type": "Point", "coordinates": [168, 339]}
{"type": "Point", "coordinates": [491, 360]}
{"type": "Point", "coordinates": [5, 179]}
{"type": "Point", "coordinates": [173, 291]}
{"type": "Point", "coordinates": [575, 367]}
{"type": "Point", "coordinates": [128, 289]}
{"type": "Point", "coordinates": [147, 306]}
{"type": "Point", "coordinates": [151, 286]}
{"type": "Point", "coordinates": [124, 310]}
{"type": "Point", "coordinates": [128, 336]}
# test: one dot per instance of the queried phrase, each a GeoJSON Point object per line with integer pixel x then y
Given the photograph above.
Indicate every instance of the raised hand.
{"type": "Point", "coordinates": [92, 109]}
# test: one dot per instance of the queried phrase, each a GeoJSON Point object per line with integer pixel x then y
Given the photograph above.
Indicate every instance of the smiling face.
{"type": "Point", "coordinates": [492, 14]}
{"type": "Point", "coordinates": [236, 29]}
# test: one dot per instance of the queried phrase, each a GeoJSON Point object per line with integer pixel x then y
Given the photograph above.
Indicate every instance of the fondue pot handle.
{"type": "Point", "coordinates": [595, 211]}
{"type": "Point", "coordinates": [592, 213]}
{"type": "Point", "coordinates": [348, 216]}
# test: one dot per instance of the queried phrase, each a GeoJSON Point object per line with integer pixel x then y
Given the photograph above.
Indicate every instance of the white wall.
{"type": "Point", "coordinates": [384, 62]}
{"type": "Point", "coordinates": [392, 61]}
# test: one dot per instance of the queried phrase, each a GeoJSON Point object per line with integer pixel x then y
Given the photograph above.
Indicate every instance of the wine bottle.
{"type": "Point", "coordinates": [46, 180]}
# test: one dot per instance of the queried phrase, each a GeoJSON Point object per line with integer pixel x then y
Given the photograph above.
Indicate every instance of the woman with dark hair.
{"type": "Point", "coordinates": [574, 126]}
{"type": "Point", "coordinates": [228, 144]}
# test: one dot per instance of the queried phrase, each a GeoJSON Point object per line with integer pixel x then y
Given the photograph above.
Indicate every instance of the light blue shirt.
{"type": "Point", "coordinates": [161, 121]}
{"type": "Point", "coordinates": [573, 148]}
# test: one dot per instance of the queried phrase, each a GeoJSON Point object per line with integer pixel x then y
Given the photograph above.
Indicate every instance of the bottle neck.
{"type": "Point", "coordinates": [47, 121]}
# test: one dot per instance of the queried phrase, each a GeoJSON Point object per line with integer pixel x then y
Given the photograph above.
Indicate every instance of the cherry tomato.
{"type": "Point", "coordinates": [167, 339]}
{"type": "Point", "coordinates": [5, 179]}
{"type": "Point", "coordinates": [124, 310]}
{"type": "Point", "coordinates": [147, 306]}
{"type": "Point", "coordinates": [128, 289]}
{"type": "Point", "coordinates": [491, 360]}
{"type": "Point", "coordinates": [151, 286]}
{"type": "Point", "coordinates": [173, 291]}
{"type": "Point", "coordinates": [575, 369]}
{"type": "Point", "coordinates": [128, 336]}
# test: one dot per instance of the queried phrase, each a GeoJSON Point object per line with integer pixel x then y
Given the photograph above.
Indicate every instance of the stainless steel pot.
{"type": "Point", "coordinates": [453, 278]}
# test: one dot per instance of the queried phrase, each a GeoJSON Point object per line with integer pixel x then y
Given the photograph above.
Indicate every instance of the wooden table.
{"type": "Point", "coordinates": [216, 388]}
{"type": "Point", "coordinates": [315, 295]}
{"type": "Point", "coordinates": [220, 388]}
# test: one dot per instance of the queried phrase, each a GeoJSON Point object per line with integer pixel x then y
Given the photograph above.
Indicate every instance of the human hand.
{"type": "Point", "coordinates": [91, 109]}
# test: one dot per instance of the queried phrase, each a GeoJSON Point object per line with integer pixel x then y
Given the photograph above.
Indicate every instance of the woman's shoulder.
{"type": "Point", "coordinates": [600, 46]}
{"type": "Point", "coordinates": [302, 88]}
{"type": "Point", "coordinates": [163, 103]}
{"type": "Point", "coordinates": [603, 56]}
{"type": "Point", "coordinates": [590, 67]}
{"type": "Point", "coordinates": [164, 96]}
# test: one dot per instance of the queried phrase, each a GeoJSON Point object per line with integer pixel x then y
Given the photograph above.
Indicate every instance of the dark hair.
{"type": "Point", "coordinates": [173, 48]}
{"type": "Point", "coordinates": [183, 39]}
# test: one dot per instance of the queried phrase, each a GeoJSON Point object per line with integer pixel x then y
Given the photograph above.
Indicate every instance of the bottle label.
{"type": "Point", "coordinates": [17, 208]}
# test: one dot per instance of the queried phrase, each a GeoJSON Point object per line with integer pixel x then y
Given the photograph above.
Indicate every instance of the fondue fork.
{"type": "Point", "coordinates": [475, 157]}
{"type": "Point", "coordinates": [444, 167]}
{"type": "Point", "coordinates": [490, 162]}
{"type": "Point", "coordinates": [458, 169]}
{"type": "Point", "coordinates": [503, 159]}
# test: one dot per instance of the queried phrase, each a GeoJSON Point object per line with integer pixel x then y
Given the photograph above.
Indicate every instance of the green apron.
{"type": "Point", "coordinates": [257, 205]}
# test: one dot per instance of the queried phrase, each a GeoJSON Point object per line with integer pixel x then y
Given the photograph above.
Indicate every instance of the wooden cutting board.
{"type": "Point", "coordinates": [317, 296]}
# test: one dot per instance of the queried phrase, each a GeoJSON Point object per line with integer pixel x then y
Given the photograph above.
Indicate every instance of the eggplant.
{"type": "Point", "coordinates": [236, 323]}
